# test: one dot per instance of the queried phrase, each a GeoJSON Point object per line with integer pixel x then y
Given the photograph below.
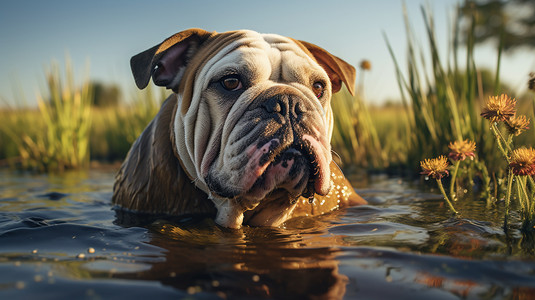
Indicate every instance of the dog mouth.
{"type": "Point", "coordinates": [271, 170]}
{"type": "Point", "coordinates": [299, 169]}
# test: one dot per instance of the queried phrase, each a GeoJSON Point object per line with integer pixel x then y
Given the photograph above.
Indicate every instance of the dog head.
{"type": "Point", "coordinates": [253, 115]}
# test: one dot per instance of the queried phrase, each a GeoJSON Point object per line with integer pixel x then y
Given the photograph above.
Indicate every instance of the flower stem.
{"type": "Point", "coordinates": [508, 199]}
{"type": "Point", "coordinates": [453, 178]}
{"type": "Point", "coordinates": [519, 192]}
{"type": "Point", "coordinates": [525, 201]}
{"type": "Point", "coordinates": [439, 182]}
{"type": "Point", "coordinates": [500, 140]}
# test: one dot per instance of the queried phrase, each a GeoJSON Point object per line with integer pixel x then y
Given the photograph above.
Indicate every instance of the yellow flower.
{"type": "Point", "coordinates": [523, 161]}
{"type": "Point", "coordinates": [460, 150]}
{"type": "Point", "coordinates": [365, 65]}
{"type": "Point", "coordinates": [499, 108]}
{"type": "Point", "coordinates": [517, 125]}
{"type": "Point", "coordinates": [436, 167]}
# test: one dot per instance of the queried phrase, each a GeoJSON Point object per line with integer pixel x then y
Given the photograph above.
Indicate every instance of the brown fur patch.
{"type": "Point", "coordinates": [338, 70]}
{"type": "Point", "coordinates": [151, 178]}
{"type": "Point", "coordinates": [209, 49]}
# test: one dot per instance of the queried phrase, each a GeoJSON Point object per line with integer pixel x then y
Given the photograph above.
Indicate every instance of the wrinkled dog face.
{"type": "Point", "coordinates": [259, 120]}
{"type": "Point", "coordinates": [275, 135]}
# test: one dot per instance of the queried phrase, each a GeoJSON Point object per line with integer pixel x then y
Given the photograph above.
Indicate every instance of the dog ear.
{"type": "Point", "coordinates": [164, 62]}
{"type": "Point", "coordinates": [338, 70]}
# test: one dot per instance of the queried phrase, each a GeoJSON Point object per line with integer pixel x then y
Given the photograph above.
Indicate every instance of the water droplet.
{"type": "Point", "coordinates": [426, 177]}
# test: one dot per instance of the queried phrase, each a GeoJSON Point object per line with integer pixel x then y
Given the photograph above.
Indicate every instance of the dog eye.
{"type": "Point", "coordinates": [318, 88]}
{"type": "Point", "coordinates": [231, 83]}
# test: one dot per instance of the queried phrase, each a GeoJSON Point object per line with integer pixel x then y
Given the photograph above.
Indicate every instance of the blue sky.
{"type": "Point", "coordinates": [107, 33]}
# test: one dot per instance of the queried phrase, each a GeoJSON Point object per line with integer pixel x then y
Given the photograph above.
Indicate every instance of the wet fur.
{"type": "Point", "coordinates": [151, 178]}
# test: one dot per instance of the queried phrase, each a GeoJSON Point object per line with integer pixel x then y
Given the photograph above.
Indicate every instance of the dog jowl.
{"type": "Point", "coordinates": [246, 134]}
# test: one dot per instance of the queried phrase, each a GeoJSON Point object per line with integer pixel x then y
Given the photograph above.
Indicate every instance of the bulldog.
{"type": "Point", "coordinates": [245, 135]}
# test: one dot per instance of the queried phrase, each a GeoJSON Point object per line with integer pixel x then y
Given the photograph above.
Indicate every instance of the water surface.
{"type": "Point", "coordinates": [60, 238]}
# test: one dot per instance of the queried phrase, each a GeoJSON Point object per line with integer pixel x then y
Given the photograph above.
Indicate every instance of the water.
{"type": "Point", "coordinates": [404, 245]}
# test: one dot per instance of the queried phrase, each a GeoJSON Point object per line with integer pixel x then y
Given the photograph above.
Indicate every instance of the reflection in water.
{"type": "Point", "coordinates": [258, 262]}
{"type": "Point", "coordinates": [404, 245]}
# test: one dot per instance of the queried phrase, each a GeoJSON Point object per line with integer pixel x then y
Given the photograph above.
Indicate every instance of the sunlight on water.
{"type": "Point", "coordinates": [61, 238]}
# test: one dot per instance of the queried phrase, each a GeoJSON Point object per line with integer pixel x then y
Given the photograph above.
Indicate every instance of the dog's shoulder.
{"type": "Point", "coordinates": [151, 178]}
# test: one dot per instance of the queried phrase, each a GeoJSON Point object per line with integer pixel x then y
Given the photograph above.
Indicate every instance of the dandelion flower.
{"type": "Point", "coordinates": [436, 167]}
{"type": "Point", "coordinates": [460, 150]}
{"type": "Point", "coordinates": [516, 125]}
{"type": "Point", "coordinates": [366, 65]}
{"type": "Point", "coordinates": [523, 161]}
{"type": "Point", "coordinates": [499, 108]}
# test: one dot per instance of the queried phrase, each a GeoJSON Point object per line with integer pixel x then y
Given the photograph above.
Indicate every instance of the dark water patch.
{"type": "Point", "coordinates": [69, 239]}
{"type": "Point", "coordinates": [53, 195]}
{"type": "Point", "coordinates": [389, 234]}
{"type": "Point", "coordinates": [46, 282]}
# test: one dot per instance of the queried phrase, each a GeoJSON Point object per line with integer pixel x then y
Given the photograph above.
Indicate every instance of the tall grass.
{"type": "Point", "coordinates": [116, 128]}
{"type": "Point", "coordinates": [355, 139]}
{"type": "Point", "coordinates": [56, 136]}
{"type": "Point", "coordinates": [392, 126]}
{"type": "Point", "coordinates": [443, 102]}
{"type": "Point", "coordinates": [65, 132]}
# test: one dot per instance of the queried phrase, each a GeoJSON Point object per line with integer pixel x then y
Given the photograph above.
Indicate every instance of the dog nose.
{"type": "Point", "coordinates": [285, 105]}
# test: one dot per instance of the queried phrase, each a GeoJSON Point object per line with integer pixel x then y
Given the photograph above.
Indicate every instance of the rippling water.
{"type": "Point", "coordinates": [61, 239]}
